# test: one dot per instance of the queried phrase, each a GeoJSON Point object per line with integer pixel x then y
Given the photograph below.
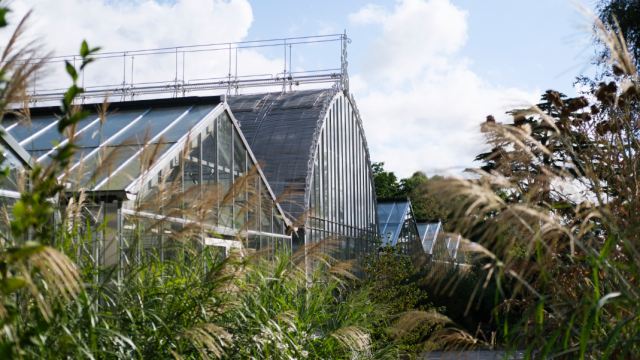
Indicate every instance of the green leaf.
{"type": "Point", "coordinates": [71, 70]}
{"type": "Point", "coordinates": [3, 13]}
{"type": "Point", "coordinates": [19, 209]}
{"type": "Point", "coordinates": [24, 251]}
{"type": "Point", "coordinates": [10, 285]}
{"type": "Point", "coordinates": [84, 49]}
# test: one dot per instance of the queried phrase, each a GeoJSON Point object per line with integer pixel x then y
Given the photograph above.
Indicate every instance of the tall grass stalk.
{"type": "Point", "coordinates": [556, 211]}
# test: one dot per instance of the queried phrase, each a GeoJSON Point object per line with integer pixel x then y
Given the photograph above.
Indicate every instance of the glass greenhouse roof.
{"type": "Point", "coordinates": [428, 235]}
{"type": "Point", "coordinates": [280, 130]}
{"type": "Point", "coordinates": [109, 151]}
{"type": "Point", "coordinates": [392, 214]}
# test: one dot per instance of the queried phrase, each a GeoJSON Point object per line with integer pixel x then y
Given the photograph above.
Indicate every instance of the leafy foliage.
{"type": "Point", "coordinates": [420, 188]}
{"type": "Point", "coordinates": [394, 282]}
{"type": "Point", "coordinates": [624, 15]}
{"type": "Point", "coordinates": [561, 188]}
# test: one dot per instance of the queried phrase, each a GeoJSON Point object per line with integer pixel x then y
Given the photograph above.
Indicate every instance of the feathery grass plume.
{"type": "Point", "coordinates": [208, 339]}
{"type": "Point", "coordinates": [555, 212]}
{"type": "Point", "coordinates": [352, 337]}
{"type": "Point", "coordinates": [410, 320]}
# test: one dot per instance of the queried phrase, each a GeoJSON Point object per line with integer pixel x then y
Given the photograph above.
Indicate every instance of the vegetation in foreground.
{"type": "Point", "coordinates": [180, 301]}
{"type": "Point", "coordinates": [555, 207]}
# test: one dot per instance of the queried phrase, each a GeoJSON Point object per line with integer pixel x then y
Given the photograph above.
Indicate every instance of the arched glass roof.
{"type": "Point", "coordinates": [280, 129]}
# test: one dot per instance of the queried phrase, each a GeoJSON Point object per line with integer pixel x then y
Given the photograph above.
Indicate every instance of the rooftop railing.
{"type": "Point", "coordinates": [155, 63]}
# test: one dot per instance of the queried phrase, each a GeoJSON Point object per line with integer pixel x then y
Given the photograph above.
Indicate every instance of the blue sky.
{"type": "Point", "coordinates": [424, 73]}
{"type": "Point", "coordinates": [526, 44]}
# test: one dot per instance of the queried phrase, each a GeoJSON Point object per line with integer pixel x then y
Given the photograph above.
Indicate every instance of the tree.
{"type": "Point", "coordinates": [386, 183]}
{"type": "Point", "coordinates": [419, 188]}
{"type": "Point", "coordinates": [525, 164]}
{"type": "Point", "coordinates": [626, 13]}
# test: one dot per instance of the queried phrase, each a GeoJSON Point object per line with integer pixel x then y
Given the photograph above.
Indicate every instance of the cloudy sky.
{"type": "Point", "coordinates": [424, 73]}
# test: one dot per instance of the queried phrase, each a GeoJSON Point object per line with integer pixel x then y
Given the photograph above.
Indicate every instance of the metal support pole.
{"type": "Point", "coordinates": [229, 88]}
{"type": "Point", "coordinates": [236, 70]}
{"type": "Point", "coordinates": [175, 81]}
{"type": "Point", "coordinates": [132, 57]}
{"type": "Point", "coordinates": [284, 72]}
{"type": "Point", "coordinates": [120, 238]}
{"type": "Point", "coordinates": [124, 76]}
{"type": "Point", "coordinates": [290, 73]}
{"type": "Point", "coordinates": [183, 63]}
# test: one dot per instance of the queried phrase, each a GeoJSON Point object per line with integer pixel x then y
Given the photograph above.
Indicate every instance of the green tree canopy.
{"type": "Point", "coordinates": [627, 14]}
{"type": "Point", "coordinates": [419, 188]}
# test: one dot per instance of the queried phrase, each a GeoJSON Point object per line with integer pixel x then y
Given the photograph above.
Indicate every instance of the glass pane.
{"type": "Point", "coordinates": [115, 122]}
{"type": "Point", "coordinates": [383, 212]}
{"type": "Point", "coordinates": [389, 236]}
{"type": "Point", "coordinates": [187, 122]}
{"type": "Point", "coordinates": [25, 128]}
{"type": "Point", "coordinates": [398, 212]}
{"type": "Point", "coordinates": [101, 165]}
{"type": "Point", "coordinates": [422, 229]}
{"type": "Point", "coordinates": [209, 151]}
{"type": "Point", "coordinates": [46, 140]}
{"type": "Point", "coordinates": [277, 222]}
{"type": "Point", "coordinates": [265, 209]}
{"type": "Point", "coordinates": [9, 123]}
{"type": "Point", "coordinates": [254, 198]}
{"type": "Point", "coordinates": [192, 164]}
{"type": "Point", "coordinates": [239, 156]}
{"type": "Point", "coordinates": [155, 121]}
{"type": "Point", "coordinates": [239, 169]}
{"type": "Point", "coordinates": [132, 170]}
{"type": "Point", "coordinates": [15, 181]}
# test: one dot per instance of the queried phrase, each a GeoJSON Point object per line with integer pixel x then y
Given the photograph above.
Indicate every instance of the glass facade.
{"type": "Point", "coordinates": [341, 199]}
{"type": "Point", "coordinates": [398, 225]}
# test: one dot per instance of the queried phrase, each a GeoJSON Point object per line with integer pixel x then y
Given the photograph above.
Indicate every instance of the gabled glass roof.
{"type": "Point", "coordinates": [109, 151]}
{"type": "Point", "coordinates": [392, 214]}
{"type": "Point", "coordinates": [428, 234]}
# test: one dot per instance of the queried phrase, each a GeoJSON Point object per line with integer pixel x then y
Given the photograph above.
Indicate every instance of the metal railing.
{"type": "Point", "coordinates": [232, 82]}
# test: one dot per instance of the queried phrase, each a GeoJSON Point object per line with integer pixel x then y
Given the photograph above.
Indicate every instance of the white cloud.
{"type": "Point", "coordinates": [415, 35]}
{"type": "Point", "coordinates": [326, 28]}
{"type": "Point", "coordinates": [147, 24]}
{"type": "Point", "coordinates": [421, 103]}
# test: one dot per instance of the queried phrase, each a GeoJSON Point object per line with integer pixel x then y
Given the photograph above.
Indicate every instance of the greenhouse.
{"type": "Point", "coordinates": [398, 225]}
{"type": "Point", "coordinates": [456, 251]}
{"type": "Point", "coordinates": [438, 245]}
{"type": "Point", "coordinates": [153, 170]}
{"type": "Point", "coordinates": [314, 153]}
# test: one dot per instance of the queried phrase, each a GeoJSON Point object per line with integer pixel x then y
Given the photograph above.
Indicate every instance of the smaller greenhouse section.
{"type": "Point", "coordinates": [455, 249]}
{"type": "Point", "coordinates": [398, 225]}
{"type": "Point", "coordinates": [439, 246]}
{"type": "Point", "coordinates": [432, 239]}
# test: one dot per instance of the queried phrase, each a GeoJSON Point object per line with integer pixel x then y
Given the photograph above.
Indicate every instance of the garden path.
{"type": "Point", "coordinates": [472, 355]}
